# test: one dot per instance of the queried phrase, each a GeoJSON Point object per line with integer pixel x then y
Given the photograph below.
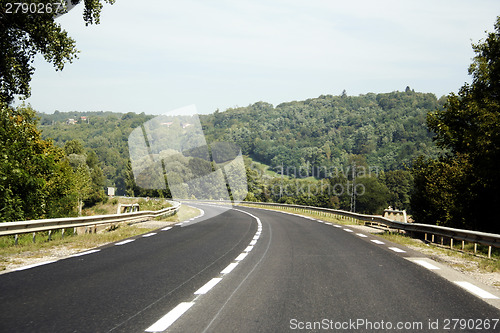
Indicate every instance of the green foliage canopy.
{"type": "Point", "coordinates": [35, 177]}
{"type": "Point", "coordinates": [462, 187]}
{"type": "Point", "coordinates": [23, 36]}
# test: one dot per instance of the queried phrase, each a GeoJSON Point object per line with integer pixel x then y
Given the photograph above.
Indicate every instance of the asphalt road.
{"type": "Point", "coordinates": [269, 272]}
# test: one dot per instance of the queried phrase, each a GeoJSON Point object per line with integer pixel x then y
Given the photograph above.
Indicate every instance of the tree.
{"type": "Point", "coordinates": [35, 177]}
{"type": "Point", "coordinates": [73, 147]}
{"type": "Point", "coordinates": [371, 195]}
{"type": "Point", "coordinates": [23, 36]}
{"type": "Point", "coordinates": [468, 128]}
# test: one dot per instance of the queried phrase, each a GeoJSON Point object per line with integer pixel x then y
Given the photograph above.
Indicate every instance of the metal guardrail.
{"type": "Point", "coordinates": [33, 226]}
{"type": "Point", "coordinates": [476, 237]}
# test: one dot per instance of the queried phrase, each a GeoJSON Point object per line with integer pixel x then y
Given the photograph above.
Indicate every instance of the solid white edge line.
{"type": "Point", "coordinates": [34, 265]}
{"type": "Point", "coordinates": [209, 285]}
{"type": "Point", "coordinates": [376, 241]}
{"type": "Point", "coordinates": [164, 322]}
{"type": "Point", "coordinates": [149, 235]}
{"type": "Point", "coordinates": [229, 268]}
{"type": "Point", "coordinates": [125, 241]}
{"type": "Point", "coordinates": [396, 249]}
{"type": "Point", "coordinates": [475, 290]}
{"type": "Point", "coordinates": [241, 256]}
{"type": "Point", "coordinates": [425, 264]}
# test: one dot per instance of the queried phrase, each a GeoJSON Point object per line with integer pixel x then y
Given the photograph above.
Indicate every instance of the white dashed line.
{"type": "Point", "coordinates": [348, 230]}
{"type": "Point", "coordinates": [166, 229]}
{"type": "Point", "coordinates": [425, 264]}
{"type": "Point", "coordinates": [149, 235]}
{"type": "Point", "coordinates": [167, 320]}
{"type": "Point", "coordinates": [337, 226]}
{"type": "Point", "coordinates": [209, 285]}
{"type": "Point", "coordinates": [248, 249]}
{"type": "Point", "coordinates": [475, 290]}
{"type": "Point", "coordinates": [241, 256]}
{"type": "Point", "coordinates": [395, 249]}
{"type": "Point", "coordinates": [125, 241]}
{"type": "Point", "coordinates": [229, 268]}
{"type": "Point", "coordinates": [34, 265]}
{"type": "Point", "coordinates": [361, 235]}
{"type": "Point", "coordinates": [85, 253]}
{"type": "Point", "coordinates": [376, 241]}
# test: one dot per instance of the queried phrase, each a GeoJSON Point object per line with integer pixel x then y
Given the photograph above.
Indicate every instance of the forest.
{"type": "Point", "coordinates": [322, 143]}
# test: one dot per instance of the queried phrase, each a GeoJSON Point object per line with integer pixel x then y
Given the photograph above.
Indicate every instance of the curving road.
{"type": "Point", "coordinates": [243, 270]}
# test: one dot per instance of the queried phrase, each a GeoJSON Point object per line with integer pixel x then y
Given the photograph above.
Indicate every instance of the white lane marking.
{"type": "Point", "coordinates": [252, 243]}
{"type": "Point", "coordinates": [248, 249]}
{"type": "Point", "coordinates": [164, 322]}
{"type": "Point", "coordinates": [255, 238]}
{"type": "Point", "coordinates": [337, 226]}
{"type": "Point", "coordinates": [85, 253]}
{"type": "Point", "coordinates": [376, 241]}
{"type": "Point", "coordinates": [348, 230]}
{"type": "Point", "coordinates": [125, 241]}
{"type": "Point", "coordinates": [241, 256]}
{"type": "Point", "coordinates": [475, 290]}
{"type": "Point", "coordinates": [395, 249]}
{"type": "Point", "coordinates": [361, 235]}
{"type": "Point", "coordinates": [229, 268]}
{"type": "Point", "coordinates": [35, 265]}
{"type": "Point", "coordinates": [149, 235]}
{"type": "Point", "coordinates": [166, 229]}
{"type": "Point", "coordinates": [209, 285]}
{"type": "Point", "coordinates": [179, 224]}
{"type": "Point", "coordinates": [425, 264]}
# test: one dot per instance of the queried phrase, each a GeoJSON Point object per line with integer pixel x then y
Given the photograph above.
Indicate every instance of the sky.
{"type": "Point", "coordinates": [163, 54]}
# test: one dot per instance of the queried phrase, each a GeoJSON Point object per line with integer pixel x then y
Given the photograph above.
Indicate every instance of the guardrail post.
{"type": "Point", "coordinates": [50, 233]}
{"type": "Point", "coordinates": [16, 239]}
{"type": "Point", "coordinates": [34, 235]}
{"type": "Point", "coordinates": [489, 251]}
{"type": "Point", "coordinates": [475, 247]}
{"type": "Point", "coordinates": [451, 243]}
{"type": "Point", "coordinates": [463, 245]}
{"type": "Point", "coordinates": [62, 233]}
{"type": "Point", "coordinates": [432, 238]}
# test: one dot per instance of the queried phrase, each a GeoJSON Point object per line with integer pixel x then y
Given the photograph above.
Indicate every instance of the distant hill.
{"type": "Point", "coordinates": [387, 130]}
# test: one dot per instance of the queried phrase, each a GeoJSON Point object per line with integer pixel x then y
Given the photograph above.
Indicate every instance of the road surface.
{"type": "Point", "coordinates": [242, 270]}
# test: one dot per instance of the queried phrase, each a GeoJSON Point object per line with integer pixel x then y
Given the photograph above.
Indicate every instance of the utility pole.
{"type": "Point", "coordinates": [353, 192]}
{"type": "Point", "coordinates": [281, 185]}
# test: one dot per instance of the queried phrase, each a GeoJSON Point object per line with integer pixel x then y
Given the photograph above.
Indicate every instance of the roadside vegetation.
{"type": "Point", "coordinates": [59, 246]}
{"type": "Point", "coordinates": [469, 260]}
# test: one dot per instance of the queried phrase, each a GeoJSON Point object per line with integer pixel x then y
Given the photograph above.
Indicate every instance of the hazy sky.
{"type": "Point", "coordinates": [156, 55]}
